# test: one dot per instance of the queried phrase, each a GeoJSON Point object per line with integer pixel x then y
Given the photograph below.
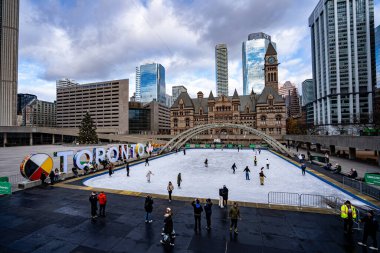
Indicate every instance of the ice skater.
{"type": "Point", "coordinates": [233, 168]}
{"type": "Point", "coordinates": [147, 161]}
{"type": "Point", "coordinates": [110, 171]}
{"type": "Point", "coordinates": [246, 170]}
{"type": "Point", "coordinates": [184, 151]}
{"type": "Point", "coordinates": [170, 189]}
{"type": "Point", "coordinates": [238, 149]}
{"type": "Point", "coordinates": [262, 176]}
{"type": "Point", "coordinates": [255, 161]}
{"type": "Point", "coordinates": [148, 175]}
{"type": "Point", "coordinates": [206, 163]}
{"type": "Point", "coordinates": [179, 180]}
{"type": "Point", "coordinates": [303, 168]}
{"type": "Point", "coordinates": [127, 168]}
{"type": "Point", "coordinates": [267, 163]}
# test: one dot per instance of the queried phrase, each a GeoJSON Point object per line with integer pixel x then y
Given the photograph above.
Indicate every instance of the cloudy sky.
{"type": "Point", "coordinates": [96, 40]}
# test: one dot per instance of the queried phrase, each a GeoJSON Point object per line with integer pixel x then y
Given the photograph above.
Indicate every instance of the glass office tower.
{"type": "Point", "coordinates": [253, 62]}
{"type": "Point", "coordinates": [377, 50]}
{"type": "Point", "coordinates": [152, 83]}
{"type": "Point", "coordinates": [343, 61]}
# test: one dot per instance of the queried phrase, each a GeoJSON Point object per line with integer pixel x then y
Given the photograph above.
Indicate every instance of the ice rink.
{"type": "Point", "coordinates": [199, 181]}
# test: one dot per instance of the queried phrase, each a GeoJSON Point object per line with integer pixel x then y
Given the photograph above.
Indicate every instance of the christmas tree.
{"type": "Point", "coordinates": [87, 131]}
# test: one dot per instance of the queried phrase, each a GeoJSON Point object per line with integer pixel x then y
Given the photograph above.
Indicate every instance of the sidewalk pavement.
{"type": "Point", "coordinates": [346, 164]}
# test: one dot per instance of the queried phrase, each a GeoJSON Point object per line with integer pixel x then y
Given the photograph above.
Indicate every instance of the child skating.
{"type": "Point", "coordinates": [233, 168]}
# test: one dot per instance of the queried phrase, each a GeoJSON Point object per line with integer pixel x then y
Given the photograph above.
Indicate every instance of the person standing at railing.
{"type": "Point", "coordinates": [348, 214]}
{"type": "Point", "coordinates": [370, 229]}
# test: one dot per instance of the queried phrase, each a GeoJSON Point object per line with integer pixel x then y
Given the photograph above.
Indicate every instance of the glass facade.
{"type": "Point", "coordinates": [253, 58]}
{"type": "Point", "coordinates": [139, 120]}
{"type": "Point", "coordinates": [377, 53]}
{"type": "Point", "coordinates": [343, 54]}
{"type": "Point", "coordinates": [23, 100]}
{"type": "Point", "coordinates": [152, 83]}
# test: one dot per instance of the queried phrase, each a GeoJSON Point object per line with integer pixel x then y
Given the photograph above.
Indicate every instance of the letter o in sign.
{"type": "Point", "coordinates": [110, 152]}
{"type": "Point", "coordinates": [77, 158]}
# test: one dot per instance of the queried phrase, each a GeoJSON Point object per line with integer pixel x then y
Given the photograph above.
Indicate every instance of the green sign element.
{"type": "Point", "coordinates": [197, 145]}
{"type": "Point", "coordinates": [240, 146]}
{"type": "Point", "coordinates": [207, 145]}
{"type": "Point", "coordinates": [372, 178]}
{"type": "Point", "coordinates": [187, 145]}
{"type": "Point", "coordinates": [252, 145]}
{"type": "Point", "coordinates": [321, 159]}
{"type": "Point", "coordinates": [4, 179]}
{"type": "Point", "coordinates": [218, 145]}
{"type": "Point", "coordinates": [230, 146]}
{"type": "Point", "coordinates": [5, 188]}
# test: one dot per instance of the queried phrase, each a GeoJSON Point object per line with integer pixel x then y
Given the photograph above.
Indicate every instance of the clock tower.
{"type": "Point", "coordinates": [271, 67]}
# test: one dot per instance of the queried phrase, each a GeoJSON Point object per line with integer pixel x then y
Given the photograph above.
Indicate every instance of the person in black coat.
{"type": "Point", "coordinates": [147, 161]}
{"type": "Point", "coordinates": [197, 214]}
{"type": "Point", "coordinates": [370, 229]}
{"type": "Point", "coordinates": [225, 195]}
{"type": "Point", "coordinates": [208, 211]}
{"type": "Point", "coordinates": [51, 176]}
{"type": "Point", "coordinates": [148, 208]}
{"type": "Point", "coordinates": [168, 227]}
{"type": "Point", "coordinates": [43, 178]}
{"type": "Point", "coordinates": [94, 205]}
{"type": "Point", "coordinates": [127, 168]}
{"type": "Point", "coordinates": [246, 170]}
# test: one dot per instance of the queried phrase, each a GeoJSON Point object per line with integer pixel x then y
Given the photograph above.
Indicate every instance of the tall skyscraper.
{"type": "Point", "coordinates": [176, 91]}
{"type": "Point", "coordinates": [377, 53]}
{"type": "Point", "coordinates": [152, 83]}
{"type": "Point", "coordinates": [285, 88]}
{"type": "Point", "coordinates": [221, 69]}
{"type": "Point", "coordinates": [343, 59]}
{"type": "Point", "coordinates": [9, 21]}
{"type": "Point", "coordinates": [253, 58]}
{"type": "Point", "coordinates": [308, 97]}
{"type": "Point", "coordinates": [138, 87]}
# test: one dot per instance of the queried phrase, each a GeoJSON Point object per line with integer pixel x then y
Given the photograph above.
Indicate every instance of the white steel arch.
{"type": "Point", "coordinates": [180, 139]}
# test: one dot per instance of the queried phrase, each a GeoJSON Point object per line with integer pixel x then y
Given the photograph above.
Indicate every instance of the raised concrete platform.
{"type": "Point", "coordinates": [57, 220]}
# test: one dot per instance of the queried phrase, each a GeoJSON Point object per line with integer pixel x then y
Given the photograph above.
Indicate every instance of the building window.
{"type": "Point", "coordinates": [278, 120]}
{"type": "Point", "coordinates": [187, 122]}
{"type": "Point", "coordinates": [263, 120]}
{"type": "Point", "coordinates": [175, 122]}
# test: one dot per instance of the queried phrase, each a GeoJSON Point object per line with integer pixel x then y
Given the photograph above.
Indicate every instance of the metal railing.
{"type": "Point", "coordinates": [302, 200]}
{"type": "Point", "coordinates": [362, 187]}
{"type": "Point", "coordinates": [16, 179]}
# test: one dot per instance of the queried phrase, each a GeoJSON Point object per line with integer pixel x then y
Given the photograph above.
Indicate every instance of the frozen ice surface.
{"type": "Point", "coordinates": [199, 181]}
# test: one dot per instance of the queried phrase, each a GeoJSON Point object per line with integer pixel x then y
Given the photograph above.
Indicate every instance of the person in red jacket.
{"type": "Point", "coordinates": [102, 198]}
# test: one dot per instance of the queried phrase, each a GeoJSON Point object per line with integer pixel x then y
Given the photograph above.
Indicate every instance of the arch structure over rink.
{"type": "Point", "coordinates": [180, 139]}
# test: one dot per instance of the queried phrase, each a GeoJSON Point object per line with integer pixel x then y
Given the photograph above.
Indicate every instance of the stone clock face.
{"type": "Point", "coordinates": [271, 60]}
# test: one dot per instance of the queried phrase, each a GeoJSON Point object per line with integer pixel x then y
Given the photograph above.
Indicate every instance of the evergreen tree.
{"type": "Point", "coordinates": [87, 131]}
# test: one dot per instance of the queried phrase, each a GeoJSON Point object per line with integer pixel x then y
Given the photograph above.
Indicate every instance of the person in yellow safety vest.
{"type": "Point", "coordinates": [348, 214]}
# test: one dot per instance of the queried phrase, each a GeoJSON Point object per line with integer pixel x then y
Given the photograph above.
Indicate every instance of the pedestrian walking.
{"type": "Point", "coordinates": [127, 168]}
{"type": "Point", "coordinates": [297, 148]}
{"type": "Point", "coordinates": [262, 176]}
{"type": "Point", "coordinates": [246, 170]}
{"type": "Point", "coordinates": [233, 168]}
{"type": "Point", "coordinates": [148, 175]}
{"type": "Point", "coordinates": [110, 171]}
{"type": "Point", "coordinates": [208, 211]}
{"type": "Point", "coordinates": [51, 176]}
{"type": "Point", "coordinates": [179, 180]}
{"type": "Point", "coordinates": [148, 206]}
{"type": "Point", "coordinates": [43, 178]}
{"type": "Point", "coordinates": [267, 163]}
{"type": "Point", "coordinates": [147, 161]}
{"type": "Point", "coordinates": [168, 230]}
{"type": "Point", "coordinates": [197, 214]}
{"type": "Point", "coordinates": [370, 229]}
{"type": "Point", "coordinates": [348, 214]}
{"type": "Point", "coordinates": [234, 216]}
{"type": "Point", "coordinates": [303, 168]}
{"type": "Point", "coordinates": [259, 151]}
{"type": "Point", "coordinates": [225, 195]}
{"type": "Point", "coordinates": [255, 161]}
{"type": "Point", "coordinates": [221, 197]}
{"type": "Point", "coordinates": [94, 205]}
{"type": "Point", "coordinates": [170, 189]}
{"type": "Point", "coordinates": [102, 198]}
